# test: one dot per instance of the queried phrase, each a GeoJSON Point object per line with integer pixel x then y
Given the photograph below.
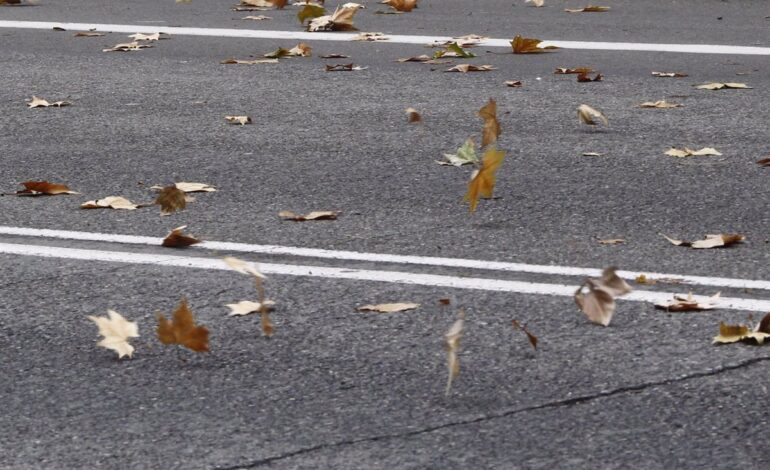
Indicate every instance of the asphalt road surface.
{"type": "Point", "coordinates": [334, 387]}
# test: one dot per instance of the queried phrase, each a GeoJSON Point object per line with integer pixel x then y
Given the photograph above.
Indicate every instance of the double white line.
{"type": "Point", "coordinates": [445, 281]}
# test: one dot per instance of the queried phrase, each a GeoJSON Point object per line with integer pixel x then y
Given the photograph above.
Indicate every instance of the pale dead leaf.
{"type": "Point", "coordinates": [127, 47]}
{"type": "Point", "coordinates": [389, 308]}
{"type": "Point", "coordinates": [195, 187]}
{"type": "Point", "coordinates": [300, 50]}
{"type": "Point", "coordinates": [370, 37]}
{"type": "Point", "coordinates": [243, 267]}
{"type": "Point", "coordinates": [116, 331]}
{"type": "Point", "coordinates": [688, 303]}
{"type": "Point", "coordinates": [249, 61]}
{"type": "Point", "coordinates": [315, 215]}
{"type": "Point", "coordinates": [596, 297]}
{"type": "Point", "coordinates": [344, 68]}
{"type": "Point", "coordinates": [340, 20]}
{"type": "Point", "coordinates": [612, 241]}
{"type": "Point", "coordinates": [401, 5]}
{"type": "Point", "coordinates": [686, 152]}
{"type": "Point", "coordinates": [36, 102]}
{"type": "Point", "coordinates": [669, 74]}
{"type": "Point", "coordinates": [257, 18]}
{"type": "Point", "coordinates": [465, 155]}
{"type": "Point", "coordinates": [591, 116]}
{"type": "Point", "coordinates": [245, 307]}
{"type": "Point", "coordinates": [148, 37]}
{"type": "Point", "coordinates": [242, 120]}
{"type": "Point", "coordinates": [111, 202]}
{"type": "Point", "coordinates": [659, 104]}
{"type": "Point", "coordinates": [88, 34]}
{"type": "Point", "coordinates": [721, 86]}
{"type": "Point", "coordinates": [537, 3]}
{"type": "Point", "coordinates": [513, 83]}
{"type": "Point", "coordinates": [710, 241]}
{"type": "Point", "coordinates": [452, 346]}
{"type": "Point", "coordinates": [470, 68]}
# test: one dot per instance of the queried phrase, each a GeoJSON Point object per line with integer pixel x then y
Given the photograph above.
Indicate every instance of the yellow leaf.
{"type": "Point", "coordinates": [483, 182]}
{"type": "Point", "coordinates": [522, 45]}
{"type": "Point", "coordinates": [686, 152]}
{"type": "Point", "coordinates": [491, 130]}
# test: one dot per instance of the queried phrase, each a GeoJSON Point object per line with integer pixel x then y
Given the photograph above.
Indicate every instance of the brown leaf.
{"type": "Point", "coordinates": [734, 333]}
{"type": "Point", "coordinates": [413, 115]}
{"type": "Point", "coordinates": [523, 45]}
{"type": "Point", "coordinates": [588, 9]}
{"type": "Point", "coordinates": [612, 241]}
{"type": "Point", "coordinates": [389, 308]}
{"type": "Point", "coordinates": [340, 20]}
{"type": "Point", "coordinates": [315, 215]}
{"type": "Point", "coordinates": [482, 183]}
{"type": "Point", "coordinates": [36, 102]}
{"type": "Point", "coordinates": [88, 34]}
{"type": "Point", "coordinates": [532, 338]}
{"type": "Point", "coordinates": [301, 50]}
{"type": "Point", "coordinates": [491, 130]}
{"type": "Point", "coordinates": [596, 297]}
{"type": "Point", "coordinates": [335, 56]}
{"type": "Point", "coordinates": [182, 329]}
{"type": "Point", "coordinates": [470, 68]}
{"type": "Point", "coordinates": [764, 324]}
{"type": "Point", "coordinates": [43, 188]}
{"type": "Point", "coordinates": [583, 77]}
{"type": "Point", "coordinates": [578, 70]}
{"type": "Point", "coordinates": [710, 241]}
{"type": "Point", "coordinates": [669, 74]}
{"type": "Point", "coordinates": [401, 5]}
{"type": "Point", "coordinates": [171, 199]}
{"type": "Point", "coordinates": [513, 83]}
{"type": "Point", "coordinates": [764, 162]}
{"type": "Point", "coordinates": [681, 303]}
{"type": "Point", "coordinates": [10, 2]}
{"type": "Point", "coordinates": [452, 346]}
{"type": "Point", "coordinates": [178, 239]}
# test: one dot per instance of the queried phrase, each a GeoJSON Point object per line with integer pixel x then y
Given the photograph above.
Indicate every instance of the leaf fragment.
{"type": "Point", "coordinates": [43, 188]}
{"type": "Point", "coordinates": [482, 183]}
{"type": "Point", "coordinates": [470, 68]}
{"type": "Point", "coordinates": [246, 307]}
{"type": "Point", "coordinates": [116, 331]}
{"type": "Point", "coordinates": [127, 47]}
{"type": "Point", "coordinates": [344, 68]}
{"type": "Point", "coordinates": [591, 116]}
{"type": "Point", "coordinates": [88, 34]}
{"type": "Point", "coordinates": [662, 104]}
{"type": "Point", "coordinates": [522, 45]}
{"type": "Point", "coordinates": [178, 239]}
{"type": "Point", "coordinates": [532, 338]}
{"type": "Point", "coordinates": [36, 102]}
{"type": "Point", "coordinates": [182, 329]}
{"type": "Point", "coordinates": [584, 77]}
{"type": "Point", "coordinates": [370, 37]}
{"type": "Point", "coordinates": [688, 303]}
{"type": "Point", "coordinates": [413, 115]}
{"type": "Point", "coordinates": [404, 6]}
{"type": "Point", "coordinates": [389, 308]}
{"type": "Point", "coordinates": [452, 347]}
{"type": "Point", "coordinates": [491, 130]}
{"type": "Point", "coordinates": [596, 297]}
{"type": "Point", "coordinates": [721, 86]}
{"type": "Point", "coordinates": [669, 74]}
{"type": "Point", "coordinates": [315, 215]}
{"type": "Point", "coordinates": [587, 9]}
{"type": "Point", "coordinates": [110, 202]}
{"type": "Point", "coordinates": [686, 152]}
{"type": "Point", "coordinates": [710, 241]}
{"type": "Point", "coordinates": [249, 61]}
{"type": "Point", "coordinates": [340, 20]}
{"type": "Point", "coordinates": [241, 120]}
{"type": "Point", "coordinates": [171, 199]}
{"type": "Point", "coordinates": [465, 155]}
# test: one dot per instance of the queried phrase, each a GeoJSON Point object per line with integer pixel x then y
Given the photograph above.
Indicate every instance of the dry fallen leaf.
{"type": "Point", "coordinates": [194, 187]}
{"type": "Point", "coordinates": [370, 37]}
{"type": "Point", "coordinates": [344, 68]}
{"type": "Point", "coordinates": [465, 155]}
{"type": "Point", "coordinates": [182, 329]}
{"type": "Point", "coordinates": [734, 333]}
{"type": "Point", "coordinates": [388, 308]}
{"type": "Point", "coordinates": [596, 297]}
{"type": "Point", "coordinates": [242, 120]}
{"type": "Point", "coordinates": [532, 338]}
{"type": "Point", "coordinates": [513, 83]}
{"type": "Point", "coordinates": [577, 70]}
{"type": "Point", "coordinates": [88, 34]}
{"type": "Point", "coordinates": [243, 267]}
{"type": "Point", "coordinates": [36, 102]}
{"type": "Point", "coordinates": [686, 152]}
{"type": "Point", "coordinates": [178, 239]}
{"type": "Point", "coordinates": [127, 47]}
{"type": "Point", "coordinates": [583, 77]}
{"type": "Point", "coordinates": [413, 115]}
{"type": "Point", "coordinates": [111, 202]}
{"type": "Point", "coordinates": [454, 50]}
{"type": "Point", "coordinates": [43, 188]}
{"type": "Point", "coordinates": [309, 12]}
{"type": "Point", "coordinates": [612, 241]}
{"type": "Point", "coordinates": [764, 162]}
{"type": "Point", "coordinates": [592, 154]}
{"type": "Point", "coordinates": [470, 68]}
{"type": "Point", "coordinates": [401, 5]}
{"type": "Point", "coordinates": [537, 3]}
{"type": "Point", "coordinates": [681, 303]}
{"type": "Point", "coordinates": [482, 182]}
{"type": "Point", "coordinates": [245, 307]}
{"type": "Point", "coordinates": [249, 61]}
{"type": "Point", "coordinates": [452, 346]}
{"type": "Point", "coordinates": [643, 279]}
{"type": "Point", "coordinates": [116, 331]}
{"type": "Point", "coordinates": [523, 45]}
{"type": "Point", "coordinates": [469, 40]}
{"type": "Point", "coordinates": [257, 18]}
{"type": "Point", "coordinates": [315, 215]}
{"type": "Point", "coordinates": [491, 130]}
{"type": "Point", "coordinates": [659, 104]}
{"type": "Point", "coordinates": [148, 37]}
{"type": "Point", "coordinates": [589, 115]}
{"type": "Point", "coordinates": [335, 56]}
{"type": "Point", "coordinates": [669, 74]}
{"type": "Point", "coordinates": [10, 2]}
{"type": "Point", "coordinates": [588, 9]}
{"type": "Point", "coordinates": [301, 50]}
{"type": "Point", "coordinates": [340, 20]}
{"type": "Point", "coordinates": [419, 58]}
{"type": "Point", "coordinates": [720, 86]}
{"type": "Point", "coordinates": [710, 241]}
{"type": "Point", "coordinates": [171, 199]}
{"type": "Point", "coordinates": [264, 305]}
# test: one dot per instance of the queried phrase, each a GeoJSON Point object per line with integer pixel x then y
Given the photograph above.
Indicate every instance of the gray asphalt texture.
{"type": "Point", "coordinates": [335, 388]}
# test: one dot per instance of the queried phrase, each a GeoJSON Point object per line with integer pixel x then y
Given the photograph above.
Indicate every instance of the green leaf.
{"type": "Point", "coordinates": [465, 155]}
{"type": "Point", "coordinates": [309, 12]}
{"type": "Point", "coordinates": [277, 54]}
{"type": "Point", "coordinates": [454, 47]}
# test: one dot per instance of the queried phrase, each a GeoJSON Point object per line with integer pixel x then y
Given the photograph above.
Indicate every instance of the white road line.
{"type": "Point", "coordinates": [383, 258]}
{"type": "Point", "coordinates": [395, 38]}
{"type": "Point", "coordinates": [497, 285]}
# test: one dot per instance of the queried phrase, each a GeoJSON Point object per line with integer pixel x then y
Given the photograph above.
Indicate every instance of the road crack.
{"type": "Point", "coordinates": [503, 414]}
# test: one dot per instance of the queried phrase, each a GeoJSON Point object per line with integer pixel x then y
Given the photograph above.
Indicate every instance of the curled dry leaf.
{"type": "Point", "coordinates": [245, 307]}
{"type": "Point", "coordinates": [592, 154]}
{"type": "Point", "coordinates": [465, 155]}
{"type": "Point", "coordinates": [116, 331]}
{"type": "Point", "coordinates": [537, 3]}
{"type": "Point", "coordinates": [401, 5]}
{"type": "Point", "coordinates": [513, 83]}
{"type": "Point", "coordinates": [452, 346]}
{"type": "Point", "coordinates": [577, 70]}
{"type": "Point", "coordinates": [710, 241]}
{"type": "Point", "coordinates": [663, 104]}
{"type": "Point", "coordinates": [720, 86]}
{"type": "Point", "coordinates": [470, 68]}
{"type": "Point", "coordinates": [10, 2]}
{"type": "Point", "coordinates": [532, 338]}
{"type": "Point", "coordinates": [195, 187]}
{"type": "Point", "coordinates": [315, 215]}
{"type": "Point", "coordinates": [36, 102]}
{"type": "Point", "coordinates": [612, 241]}
{"type": "Point", "coordinates": [340, 20]}
{"type": "Point", "coordinates": [127, 47]}
{"type": "Point", "coordinates": [491, 130]}
{"type": "Point", "coordinates": [301, 50]}
{"type": "Point", "coordinates": [764, 162]}
{"type": "Point", "coordinates": [584, 77]}
{"type": "Point", "coordinates": [469, 40]}
{"type": "Point", "coordinates": [370, 37]}
{"type": "Point", "coordinates": [522, 45]}
{"type": "Point", "coordinates": [591, 116]}
{"type": "Point", "coordinates": [182, 329]}
{"type": "Point", "coordinates": [413, 115]}
{"type": "Point", "coordinates": [686, 152]}
{"type": "Point", "coordinates": [309, 12]}
{"type": "Point", "coordinates": [352, 5]}
{"type": "Point", "coordinates": [344, 68]}
{"type": "Point", "coordinates": [149, 37]}
{"type": "Point", "coordinates": [453, 50]}
{"type": "Point", "coordinates": [171, 199]}
{"type": "Point", "coordinates": [388, 308]}
{"type": "Point", "coordinates": [43, 188]}
{"type": "Point", "coordinates": [335, 56]}
{"type": "Point", "coordinates": [669, 74]}
{"type": "Point", "coordinates": [249, 61]}
{"type": "Point", "coordinates": [243, 267]}
{"type": "Point", "coordinates": [746, 333]}
{"type": "Point", "coordinates": [178, 239]}
{"type": "Point", "coordinates": [110, 202]}
{"type": "Point", "coordinates": [88, 34]}
{"type": "Point", "coordinates": [242, 120]}
{"type": "Point", "coordinates": [257, 18]}
{"type": "Point", "coordinates": [596, 297]}
{"type": "Point", "coordinates": [264, 309]}
{"type": "Point", "coordinates": [643, 279]}
{"type": "Point", "coordinates": [482, 182]}
{"type": "Point", "coordinates": [588, 9]}
{"type": "Point", "coordinates": [688, 303]}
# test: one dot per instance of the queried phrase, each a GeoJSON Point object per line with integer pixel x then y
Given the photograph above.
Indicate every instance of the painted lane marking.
{"type": "Point", "coordinates": [496, 285]}
{"type": "Point", "coordinates": [383, 258]}
{"type": "Point", "coordinates": [395, 38]}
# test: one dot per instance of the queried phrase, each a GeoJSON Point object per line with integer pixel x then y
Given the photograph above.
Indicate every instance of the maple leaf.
{"type": "Point", "coordinates": [466, 154]}
{"type": "Point", "coordinates": [596, 297]}
{"type": "Point", "coordinates": [491, 130]}
{"type": "Point", "coordinates": [686, 152]}
{"type": "Point", "coordinates": [681, 303]}
{"type": "Point", "coordinates": [178, 239]}
{"type": "Point", "coordinates": [340, 20]}
{"type": "Point", "coordinates": [483, 181]}
{"type": "Point", "coordinates": [589, 115]}
{"type": "Point", "coordinates": [315, 215]}
{"type": "Point", "coordinates": [710, 241]}
{"type": "Point", "coordinates": [241, 120]}
{"type": "Point", "coordinates": [722, 86]}
{"type": "Point", "coordinates": [182, 329]}
{"type": "Point", "coordinates": [522, 45]}
{"type": "Point", "coordinates": [401, 5]}
{"type": "Point", "coordinates": [171, 199]}
{"type": "Point", "coordinates": [245, 307]}
{"type": "Point", "coordinates": [413, 115]}
{"type": "Point", "coordinates": [36, 102]}
{"type": "Point", "coordinates": [532, 338]}
{"type": "Point", "coordinates": [659, 104]}
{"type": "Point", "coordinates": [452, 346]}
{"type": "Point", "coordinates": [116, 331]}
{"type": "Point", "coordinates": [43, 188]}
{"type": "Point", "coordinates": [470, 68]}
{"type": "Point", "coordinates": [389, 308]}
{"type": "Point", "coordinates": [111, 202]}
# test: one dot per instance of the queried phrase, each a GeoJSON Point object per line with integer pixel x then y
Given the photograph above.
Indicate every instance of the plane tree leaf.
{"type": "Point", "coordinates": [178, 239]}
{"type": "Point", "coordinates": [116, 331]}
{"type": "Point", "coordinates": [482, 183]}
{"type": "Point", "coordinates": [182, 329]}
